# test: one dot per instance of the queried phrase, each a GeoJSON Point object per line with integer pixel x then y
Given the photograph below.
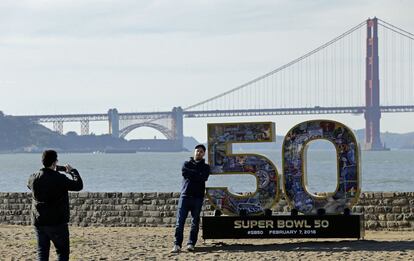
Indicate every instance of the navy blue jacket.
{"type": "Point", "coordinates": [50, 200]}
{"type": "Point", "coordinates": [195, 175]}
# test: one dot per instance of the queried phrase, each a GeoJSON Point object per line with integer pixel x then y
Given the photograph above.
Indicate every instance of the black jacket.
{"type": "Point", "coordinates": [195, 175]}
{"type": "Point", "coordinates": [50, 200]}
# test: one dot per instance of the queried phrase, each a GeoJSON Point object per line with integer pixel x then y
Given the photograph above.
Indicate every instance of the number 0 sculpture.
{"type": "Point", "coordinates": [294, 166]}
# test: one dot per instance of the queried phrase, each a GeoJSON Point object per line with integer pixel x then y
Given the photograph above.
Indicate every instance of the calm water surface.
{"type": "Point", "coordinates": [149, 172]}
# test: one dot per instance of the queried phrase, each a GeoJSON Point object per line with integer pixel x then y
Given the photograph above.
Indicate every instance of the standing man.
{"type": "Point", "coordinates": [195, 174]}
{"type": "Point", "coordinates": [50, 205]}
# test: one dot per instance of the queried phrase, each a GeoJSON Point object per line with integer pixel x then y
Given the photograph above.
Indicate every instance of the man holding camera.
{"type": "Point", "coordinates": [50, 205]}
{"type": "Point", "coordinates": [195, 174]}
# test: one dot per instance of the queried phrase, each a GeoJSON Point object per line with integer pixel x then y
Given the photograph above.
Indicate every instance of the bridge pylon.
{"type": "Point", "coordinates": [84, 127]}
{"type": "Point", "coordinates": [178, 126]}
{"type": "Point", "coordinates": [113, 118]}
{"type": "Point", "coordinates": [58, 126]}
{"type": "Point", "coordinates": [372, 93]}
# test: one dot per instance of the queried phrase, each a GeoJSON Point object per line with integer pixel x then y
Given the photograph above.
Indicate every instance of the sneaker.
{"type": "Point", "coordinates": [190, 248]}
{"type": "Point", "coordinates": [176, 249]}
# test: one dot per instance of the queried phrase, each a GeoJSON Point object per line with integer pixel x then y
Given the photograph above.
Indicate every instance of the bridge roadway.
{"type": "Point", "coordinates": [213, 113]}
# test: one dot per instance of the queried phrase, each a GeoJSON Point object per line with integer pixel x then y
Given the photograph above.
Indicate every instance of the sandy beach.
{"type": "Point", "coordinates": [154, 243]}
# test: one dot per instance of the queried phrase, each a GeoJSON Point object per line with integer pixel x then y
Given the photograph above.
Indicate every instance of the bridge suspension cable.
{"type": "Point", "coordinates": [310, 71]}
{"type": "Point", "coordinates": [396, 58]}
{"type": "Point", "coordinates": [396, 29]}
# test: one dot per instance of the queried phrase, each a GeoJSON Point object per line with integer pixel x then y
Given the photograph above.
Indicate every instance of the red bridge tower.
{"type": "Point", "coordinates": [372, 100]}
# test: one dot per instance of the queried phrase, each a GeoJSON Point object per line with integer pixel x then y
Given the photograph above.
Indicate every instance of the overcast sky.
{"type": "Point", "coordinates": [89, 56]}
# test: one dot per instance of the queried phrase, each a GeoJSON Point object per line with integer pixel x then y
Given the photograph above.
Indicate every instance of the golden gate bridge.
{"type": "Point", "coordinates": [342, 76]}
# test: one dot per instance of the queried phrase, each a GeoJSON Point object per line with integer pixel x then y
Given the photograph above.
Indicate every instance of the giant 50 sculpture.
{"type": "Point", "coordinates": [221, 136]}
{"type": "Point", "coordinates": [248, 215]}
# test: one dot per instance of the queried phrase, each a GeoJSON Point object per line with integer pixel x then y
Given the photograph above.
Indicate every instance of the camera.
{"type": "Point", "coordinates": [61, 168]}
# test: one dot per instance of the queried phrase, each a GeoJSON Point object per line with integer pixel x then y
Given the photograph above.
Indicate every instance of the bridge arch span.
{"type": "Point", "coordinates": [164, 130]}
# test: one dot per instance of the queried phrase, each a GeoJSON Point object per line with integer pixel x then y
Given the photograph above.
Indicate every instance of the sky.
{"type": "Point", "coordinates": [59, 57]}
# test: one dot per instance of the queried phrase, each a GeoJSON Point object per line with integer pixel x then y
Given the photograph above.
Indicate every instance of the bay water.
{"type": "Point", "coordinates": [161, 172]}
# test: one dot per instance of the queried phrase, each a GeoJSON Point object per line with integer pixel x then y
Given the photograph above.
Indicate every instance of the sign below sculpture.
{"type": "Point", "coordinates": [303, 226]}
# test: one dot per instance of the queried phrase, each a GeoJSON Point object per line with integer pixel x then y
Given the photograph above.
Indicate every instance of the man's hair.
{"type": "Point", "coordinates": [49, 157]}
{"type": "Point", "coordinates": [201, 146]}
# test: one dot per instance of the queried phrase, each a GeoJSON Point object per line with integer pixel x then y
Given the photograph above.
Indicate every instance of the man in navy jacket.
{"type": "Point", "coordinates": [195, 174]}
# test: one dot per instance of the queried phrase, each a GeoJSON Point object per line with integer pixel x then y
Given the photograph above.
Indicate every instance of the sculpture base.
{"type": "Point", "coordinates": [284, 226]}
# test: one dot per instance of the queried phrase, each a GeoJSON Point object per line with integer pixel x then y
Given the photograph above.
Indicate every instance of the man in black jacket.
{"type": "Point", "coordinates": [195, 174]}
{"type": "Point", "coordinates": [50, 205]}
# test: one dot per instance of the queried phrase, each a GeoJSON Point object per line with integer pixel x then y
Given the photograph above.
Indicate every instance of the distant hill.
{"type": "Point", "coordinates": [392, 140]}
{"type": "Point", "coordinates": [17, 135]}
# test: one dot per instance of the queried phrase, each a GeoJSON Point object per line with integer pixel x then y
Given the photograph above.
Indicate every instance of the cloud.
{"type": "Point", "coordinates": [122, 53]}
{"type": "Point", "coordinates": [103, 18]}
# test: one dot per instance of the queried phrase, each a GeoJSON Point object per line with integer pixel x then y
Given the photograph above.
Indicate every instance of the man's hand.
{"type": "Point", "coordinates": [68, 168]}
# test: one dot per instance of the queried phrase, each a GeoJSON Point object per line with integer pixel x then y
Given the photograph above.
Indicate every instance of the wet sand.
{"type": "Point", "coordinates": [145, 243]}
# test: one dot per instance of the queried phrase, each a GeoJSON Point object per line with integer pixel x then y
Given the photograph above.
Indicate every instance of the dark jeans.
{"type": "Point", "coordinates": [59, 235]}
{"type": "Point", "coordinates": [185, 205]}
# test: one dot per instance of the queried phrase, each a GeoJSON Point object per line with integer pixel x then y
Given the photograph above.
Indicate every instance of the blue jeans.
{"type": "Point", "coordinates": [59, 235]}
{"type": "Point", "coordinates": [185, 205]}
